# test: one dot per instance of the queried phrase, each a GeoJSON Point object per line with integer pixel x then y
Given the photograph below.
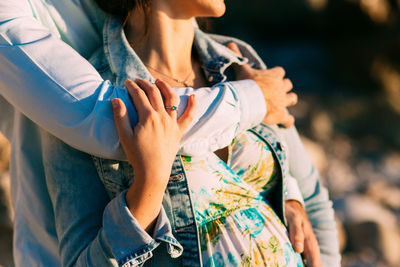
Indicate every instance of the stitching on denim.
{"type": "Point", "coordinates": [140, 256]}
{"type": "Point", "coordinates": [177, 247]}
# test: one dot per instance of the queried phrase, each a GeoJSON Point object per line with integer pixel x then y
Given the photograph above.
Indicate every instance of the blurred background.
{"type": "Point", "coordinates": [343, 57]}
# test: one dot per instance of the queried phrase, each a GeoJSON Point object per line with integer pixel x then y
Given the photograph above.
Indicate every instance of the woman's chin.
{"type": "Point", "coordinates": [219, 8]}
{"type": "Point", "coordinates": [220, 12]}
{"type": "Point", "coordinates": [215, 11]}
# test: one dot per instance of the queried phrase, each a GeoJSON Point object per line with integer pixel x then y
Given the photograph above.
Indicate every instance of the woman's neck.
{"type": "Point", "coordinates": [161, 41]}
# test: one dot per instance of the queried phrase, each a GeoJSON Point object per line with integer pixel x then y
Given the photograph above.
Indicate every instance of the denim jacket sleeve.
{"type": "Point", "coordinates": [130, 243]}
{"type": "Point", "coordinates": [91, 229]}
{"type": "Point", "coordinates": [65, 95]}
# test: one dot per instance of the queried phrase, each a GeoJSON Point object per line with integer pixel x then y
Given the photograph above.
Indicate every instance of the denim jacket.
{"type": "Point", "coordinates": [180, 244]}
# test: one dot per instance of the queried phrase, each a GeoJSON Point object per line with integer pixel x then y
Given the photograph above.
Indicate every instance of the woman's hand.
{"type": "Point", "coordinates": [152, 144]}
{"type": "Point", "coordinates": [301, 234]}
{"type": "Point", "coordinates": [275, 88]}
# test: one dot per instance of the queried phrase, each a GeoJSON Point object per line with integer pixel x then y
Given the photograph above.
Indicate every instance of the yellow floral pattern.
{"type": "Point", "coordinates": [237, 227]}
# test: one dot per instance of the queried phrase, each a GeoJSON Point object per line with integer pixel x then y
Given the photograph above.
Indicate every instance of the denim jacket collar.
{"type": "Point", "coordinates": [214, 57]}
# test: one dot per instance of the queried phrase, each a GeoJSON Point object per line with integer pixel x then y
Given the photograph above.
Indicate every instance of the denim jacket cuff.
{"type": "Point", "coordinates": [130, 243]}
{"type": "Point", "coordinates": [252, 103]}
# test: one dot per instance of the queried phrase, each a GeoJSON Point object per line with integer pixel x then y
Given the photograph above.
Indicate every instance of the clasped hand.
{"type": "Point", "coordinates": [151, 145]}
{"type": "Point", "coordinates": [275, 88]}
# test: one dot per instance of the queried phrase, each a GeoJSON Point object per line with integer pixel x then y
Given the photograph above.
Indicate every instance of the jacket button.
{"type": "Point", "coordinates": [177, 177]}
{"type": "Point", "coordinates": [210, 78]}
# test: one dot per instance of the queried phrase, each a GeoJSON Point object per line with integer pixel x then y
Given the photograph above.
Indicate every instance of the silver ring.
{"type": "Point", "coordinates": [172, 108]}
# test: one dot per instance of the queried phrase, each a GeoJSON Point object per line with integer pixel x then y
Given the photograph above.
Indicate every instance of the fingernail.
{"type": "Point", "coordinates": [299, 247]}
{"type": "Point", "coordinates": [115, 104]}
{"type": "Point", "coordinates": [128, 83]}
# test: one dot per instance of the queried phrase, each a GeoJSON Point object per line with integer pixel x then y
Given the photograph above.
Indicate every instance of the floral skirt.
{"type": "Point", "coordinates": [237, 227]}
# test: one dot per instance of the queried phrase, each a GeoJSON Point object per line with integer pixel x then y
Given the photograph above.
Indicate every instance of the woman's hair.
{"type": "Point", "coordinates": [121, 8]}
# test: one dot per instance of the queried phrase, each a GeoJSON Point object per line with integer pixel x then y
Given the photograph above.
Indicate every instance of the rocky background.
{"type": "Point", "coordinates": [343, 57]}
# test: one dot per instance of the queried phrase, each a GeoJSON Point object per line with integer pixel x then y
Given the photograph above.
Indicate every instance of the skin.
{"type": "Point", "coordinates": [278, 99]}
{"type": "Point", "coordinates": [301, 234]}
{"type": "Point", "coordinates": [155, 123]}
{"type": "Point", "coordinates": [167, 47]}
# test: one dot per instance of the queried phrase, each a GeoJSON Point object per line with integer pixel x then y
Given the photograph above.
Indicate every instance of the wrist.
{"type": "Point", "coordinates": [294, 206]}
{"type": "Point", "coordinates": [293, 202]}
{"type": "Point", "coordinates": [144, 201]}
{"type": "Point", "coordinates": [147, 182]}
{"type": "Point", "coordinates": [154, 174]}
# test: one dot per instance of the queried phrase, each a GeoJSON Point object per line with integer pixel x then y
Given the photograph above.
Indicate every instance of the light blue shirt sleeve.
{"type": "Point", "coordinates": [316, 198]}
{"type": "Point", "coordinates": [293, 191]}
{"type": "Point", "coordinates": [51, 84]}
{"type": "Point", "coordinates": [232, 108]}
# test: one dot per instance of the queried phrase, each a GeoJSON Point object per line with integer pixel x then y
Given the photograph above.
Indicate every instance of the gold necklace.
{"type": "Point", "coordinates": [184, 82]}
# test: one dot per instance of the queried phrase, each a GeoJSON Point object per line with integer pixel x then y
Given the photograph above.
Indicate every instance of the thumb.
{"type": "Point", "coordinates": [242, 71]}
{"type": "Point", "coordinates": [122, 123]}
{"type": "Point", "coordinates": [232, 46]}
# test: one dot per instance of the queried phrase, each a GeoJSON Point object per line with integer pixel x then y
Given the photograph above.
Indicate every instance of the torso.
{"type": "Point", "coordinates": [179, 203]}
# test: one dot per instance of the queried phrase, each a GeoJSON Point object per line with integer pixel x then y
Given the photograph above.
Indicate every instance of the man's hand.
{"type": "Point", "coordinates": [275, 88]}
{"type": "Point", "coordinates": [301, 234]}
